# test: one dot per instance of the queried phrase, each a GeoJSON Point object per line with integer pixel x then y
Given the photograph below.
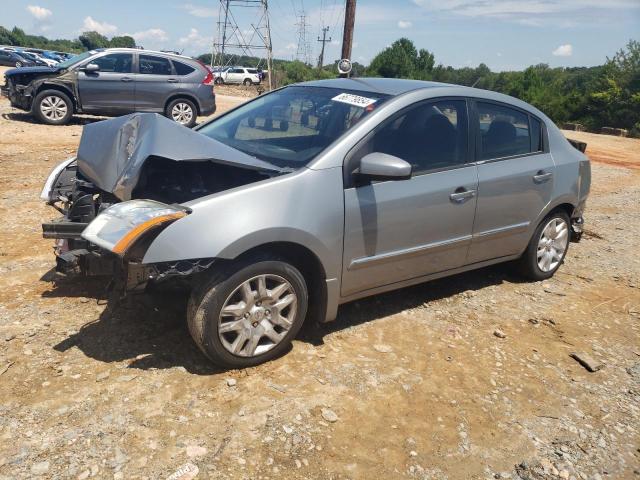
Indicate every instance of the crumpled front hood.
{"type": "Point", "coordinates": [112, 152]}
{"type": "Point", "coordinates": [32, 72]}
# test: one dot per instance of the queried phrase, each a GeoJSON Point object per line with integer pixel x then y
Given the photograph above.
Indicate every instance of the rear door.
{"type": "Point", "coordinates": [404, 229]}
{"type": "Point", "coordinates": [515, 179]}
{"type": "Point", "coordinates": [112, 88]}
{"type": "Point", "coordinates": [155, 82]}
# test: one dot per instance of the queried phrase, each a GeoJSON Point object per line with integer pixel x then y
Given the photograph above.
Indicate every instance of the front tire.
{"type": "Point", "coordinates": [182, 111]}
{"type": "Point", "coordinates": [249, 314]}
{"type": "Point", "coordinates": [52, 107]}
{"type": "Point", "coordinates": [547, 248]}
{"type": "Point", "coordinates": [18, 64]}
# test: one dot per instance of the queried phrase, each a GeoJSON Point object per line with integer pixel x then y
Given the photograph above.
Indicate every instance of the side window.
{"type": "Point", "coordinates": [429, 136]}
{"type": "Point", "coordinates": [182, 68]}
{"type": "Point", "coordinates": [115, 62]}
{"type": "Point", "coordinates": [504, 131]}
{"type": "Point", "coordinates": [150, 65]}
{"type": "Point", "coordinates": [536, 135]}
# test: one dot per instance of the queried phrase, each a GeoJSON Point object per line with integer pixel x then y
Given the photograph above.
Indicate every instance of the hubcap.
{"type": "Point", "coordinates": [54, 108]}
{"type": "Point", "coordinates": [182, 113]}
{"type": "Point", "coordinates": [553, 242]}
{"type": "Point", "coordinates": [257, 315]}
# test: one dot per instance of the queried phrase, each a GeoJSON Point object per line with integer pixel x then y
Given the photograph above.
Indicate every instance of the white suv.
{"type": "Point", "coordinates": [245, 76]}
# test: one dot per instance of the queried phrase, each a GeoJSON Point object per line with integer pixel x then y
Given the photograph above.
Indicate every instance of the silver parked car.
{"type": "Point", "coordinates": [315, 195]}
{"type": "Point", "coordinates": [112, 82]}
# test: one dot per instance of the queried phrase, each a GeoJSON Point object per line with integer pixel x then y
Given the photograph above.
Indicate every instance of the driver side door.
{"type": "Point", "coordinates": [111, 89]}
{"type": "Point", "coordinates": [398, 230]}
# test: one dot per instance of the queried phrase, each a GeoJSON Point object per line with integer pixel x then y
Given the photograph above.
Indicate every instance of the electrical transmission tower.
{"type": "Point", "coordinates": [324, 40]}
{"type": "Point", "coordinates": [303, 52]}
{"type": "Point", "coordinates": [232, 41]}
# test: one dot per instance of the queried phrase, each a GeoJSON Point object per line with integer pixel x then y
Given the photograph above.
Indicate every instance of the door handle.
{"type": "Point", "coordinates": [126, 79]}
{"type": "Point", "coordinates": [461, 195]}
{"type": "Point", "coordinates": [542, 176]}
{"type": "Point", "coordinates": [172, 80]}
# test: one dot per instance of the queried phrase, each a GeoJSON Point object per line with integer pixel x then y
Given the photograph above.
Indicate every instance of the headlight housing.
{"type": "Point", "coordinates": [120, 225]}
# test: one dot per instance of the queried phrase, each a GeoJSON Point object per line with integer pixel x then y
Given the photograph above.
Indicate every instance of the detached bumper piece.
{"type": "Point", "coordinates": [86, 262]}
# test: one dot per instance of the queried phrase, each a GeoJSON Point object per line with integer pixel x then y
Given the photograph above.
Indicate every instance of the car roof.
{"type": "Point", "coordinates": [387, 86]}
{"type": "Point", "coordinates": [140, 50]}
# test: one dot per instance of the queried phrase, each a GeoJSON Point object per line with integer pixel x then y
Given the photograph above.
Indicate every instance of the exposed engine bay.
{"type": "Point", "coordinates": [118, 161]}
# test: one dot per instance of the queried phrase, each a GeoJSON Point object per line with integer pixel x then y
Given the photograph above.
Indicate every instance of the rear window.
{"type": "Point", "coordinates": [252, 70]}
{"type": "Point", "coordinates": [154, 65]}
{"type": "Point", "coordinates": [504, 131]}
{"type": "Point", "coordinates": [182, 68]}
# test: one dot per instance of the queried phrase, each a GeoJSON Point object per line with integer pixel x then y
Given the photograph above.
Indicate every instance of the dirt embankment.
{"type": "Point", "coordinates": [411, 384]}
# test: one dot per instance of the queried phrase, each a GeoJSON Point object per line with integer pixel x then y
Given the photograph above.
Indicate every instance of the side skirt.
{"type": "Point", "coordinates": [426, 278]}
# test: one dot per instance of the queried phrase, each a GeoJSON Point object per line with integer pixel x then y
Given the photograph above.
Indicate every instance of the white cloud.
{"type": "Point", "coordinates": [404, 24]}
{"type": "Point", "coordinates": [39, 13]}
{"type": "Point", "coordinates": [152, 34]}
{"type": "Point", "coordinates": [531, 12]}
{"type": "Point", "coordinates": [200, 11]}
{"type": "Point", "coordinates": [195, 40]}
{"type": "Point", "coordinates": [103, 28]}
{"type": "Point", "coordinates": [563, 51]}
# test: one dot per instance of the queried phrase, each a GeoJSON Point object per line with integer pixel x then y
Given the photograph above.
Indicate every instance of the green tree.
{"type": "Point", "coordinates": [124, 41]}
{"type": "Point", "coordinates": [93, 40]}
{"type": "Point", "coordinates": [397, 61]}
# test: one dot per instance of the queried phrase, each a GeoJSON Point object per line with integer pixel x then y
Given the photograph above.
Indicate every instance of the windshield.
{"type": "Point", "coordinates": [75, 59]}
{"type": "Point", "coordinates": [289, 127]}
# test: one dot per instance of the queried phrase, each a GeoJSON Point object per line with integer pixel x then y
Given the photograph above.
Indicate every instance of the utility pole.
{"type": "Point", "coordinates": [349, 21]}
{"type": "Point", "coordinates": [324, 40]}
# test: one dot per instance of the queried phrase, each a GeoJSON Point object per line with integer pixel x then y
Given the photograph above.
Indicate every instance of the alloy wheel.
{"type": "Point", "coordinates": [53, 108]}
{"type": "Point", "coordinates": [552, 244]}
{"type": "Point", "coordinates": [257, 315]}
{"type": "Point", "coordinates": [182, 113]}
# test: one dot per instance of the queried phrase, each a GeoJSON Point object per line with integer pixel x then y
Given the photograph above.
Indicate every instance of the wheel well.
{"type": "Point", "coordinates": [308, 264]}
{"type": "Point", "coordinates": [186, 97]}
{"type": "Point", "coordinates": [66, 91]}
{"type": "Point", "coordinates": [566, 207]}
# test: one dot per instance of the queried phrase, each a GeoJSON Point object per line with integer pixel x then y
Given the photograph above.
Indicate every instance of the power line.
{"type": "Point", "coordinates": [231, 38]}
{"type": "Point", "coordinates": [304, 48]}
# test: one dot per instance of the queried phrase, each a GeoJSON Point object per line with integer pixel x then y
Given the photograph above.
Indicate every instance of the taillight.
{"type": "Point", "coordinates": [208, 80]}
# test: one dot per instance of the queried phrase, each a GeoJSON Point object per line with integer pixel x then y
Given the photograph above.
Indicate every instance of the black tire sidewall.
{"type": "Point", "coordinates": [37, 111]}
{"type": "Point", "coordinates": [247, 82]}
{"type": "Point", "coordinates": [211, 300]}
{"type": "Point", "coordinates": [175, 101]}
{"type": "Point", "coordinates": [530, 258]}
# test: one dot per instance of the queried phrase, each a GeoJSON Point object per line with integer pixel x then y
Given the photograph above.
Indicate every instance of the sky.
{"type": "Point", "coordinates": [504, 34]}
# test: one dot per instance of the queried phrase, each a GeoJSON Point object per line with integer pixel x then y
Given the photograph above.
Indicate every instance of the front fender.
{"type": "Point", "coordinates": [305, 207]}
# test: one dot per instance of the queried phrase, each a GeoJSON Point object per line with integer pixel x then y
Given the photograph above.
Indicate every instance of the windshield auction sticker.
{"type": "Point", "coordinates": [355, 100]}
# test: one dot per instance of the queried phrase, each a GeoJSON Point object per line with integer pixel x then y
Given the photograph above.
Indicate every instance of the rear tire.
{"type": "Point", "coordinates": [52, 107]}
{"type": "Point", "coordinates": [182, 111]}
{"type": "Point", "coordinates": [240, 317]}
{"type": "Point", "coordinates": [218, 81]}
{"type": "Point", "coordinates": [547, 248]}
{"type": "Point", "coordinates": [247, 82]}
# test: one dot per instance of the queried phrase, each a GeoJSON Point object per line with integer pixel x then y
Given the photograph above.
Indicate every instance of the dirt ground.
{"type": "Point", "coordinates": [416, 383]}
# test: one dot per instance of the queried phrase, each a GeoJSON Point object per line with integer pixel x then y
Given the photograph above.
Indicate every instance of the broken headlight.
{"type": "Point", "coordinates": [120, 225]}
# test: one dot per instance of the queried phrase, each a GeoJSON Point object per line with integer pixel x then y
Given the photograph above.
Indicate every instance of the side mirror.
{"type": "Point", "coordinates": [91, 67]}
{"type": "Point", "coordinates": [381, 166]}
